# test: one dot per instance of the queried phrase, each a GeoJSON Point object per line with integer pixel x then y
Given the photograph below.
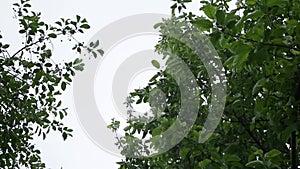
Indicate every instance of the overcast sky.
{"type": "Point", "coordinates": [78, 152]}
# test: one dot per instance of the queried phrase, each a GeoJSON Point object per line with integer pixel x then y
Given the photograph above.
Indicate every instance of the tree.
{"type": "Point", "coordinates": [30, 83]}
{"type": "Point", "coordinates": [258, 43]}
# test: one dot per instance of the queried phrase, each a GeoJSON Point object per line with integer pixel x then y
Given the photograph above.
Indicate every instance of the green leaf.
{"type": "Point", "coordinates": [101, 52]}
{"type": "Point", "coordinates": [5, 46]}
{"type": "Point", "coordinates": [92, 44]}
{"type": "Point", "coordinates": [63, 86]}
{"type": "Point", "coordinates": [48, 64]}
{"type": "Point", "coordinates": [204, 163]}
{"type": "Point", "coordinates": [242, 53]}
{"type": "Point", "coordinates": [183, 152]}
{"type": "Point", "coordinates": [52, 35]}
{"type": "Point", "coordinates": [254, 164]}
{"type": "Point", "coordinates": [85, 26]}
{"type": "Point", "coordinates": [78, 18]}
{"type": "Point", "coordinates": [272, 153]}
{"type": "Point", "coordinates": [157, 25]}
{"type": "Point", "coordinates": [203, 24]}
{"type": "Point", "coordinates": [220, 15]}
{"type": "Point", "coordinates": [79, 67]}
{"type": "Point", "coordinates": [65, 135]}
{"type": "Point", "coordinates": [96, 44]}
{"type": "Point", "coordinates": [232, 158]}
{"type": "Point", "coordinates": [94, 54]}
{"type": "Point", "coordinates": [210, 11]}
{"type": "Point", "coordinates": [157, 131]}
{"type": "Point", "coordinates": [155, 64]}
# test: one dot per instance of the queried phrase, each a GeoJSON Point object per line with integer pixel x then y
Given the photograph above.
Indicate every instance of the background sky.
{"type": "Point", "coordinates": [77, 152]}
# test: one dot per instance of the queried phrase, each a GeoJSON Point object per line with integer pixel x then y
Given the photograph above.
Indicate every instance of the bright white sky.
{"type": "Point", "coordinates": [77, 152]}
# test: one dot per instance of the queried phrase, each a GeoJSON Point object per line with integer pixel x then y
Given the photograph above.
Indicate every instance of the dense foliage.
{"type": "Point", "coordinates": [258, 42]}
{"type": "Point", "coordinates": [30, 83]}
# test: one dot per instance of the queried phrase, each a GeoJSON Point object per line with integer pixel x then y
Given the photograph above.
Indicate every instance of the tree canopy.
{"type": "Point", "coordinates": [258, 43]}
{"type": "Point", "coordinates": [31, 82]}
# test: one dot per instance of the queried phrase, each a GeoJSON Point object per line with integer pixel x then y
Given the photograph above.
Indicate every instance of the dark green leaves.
{"type": "Point", "coordinates": [52, 35]}
{"type": "Point", "coordinates": [63, 85]}
{"type": "Point", "coordinates": [85, 26]}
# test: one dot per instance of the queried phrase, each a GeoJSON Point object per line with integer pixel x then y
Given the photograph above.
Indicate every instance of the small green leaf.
{"type": "Point", "coordinates": [94, 54]}
{"type": "Point", "coordinates": [5, 46]}
{"type": "Point", "coordinates": [48, 64]}
{"type": "Point", "coordinates": [65, 135]}
{"type": "Point", "coordinates": [92, 44]}
{"type": "Point", "coordinates": [155, 64]}
{"type": "Point", "coordinates": [101, 52]}
{"type": "Point", "coordinates": [63, 86]}
{"type": "Point", "coordinates": [78, 18]}
{"type": "Point", "coordinates": [79, 67]}
{"type": "Point", "coordinates": [157, 25]}
{"type": "Point", "coordinates": [85, 26]}
{"type": "Point", "coordinates": [96, 44]}
{"type": "Point", "coordinates": [52, 35]}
